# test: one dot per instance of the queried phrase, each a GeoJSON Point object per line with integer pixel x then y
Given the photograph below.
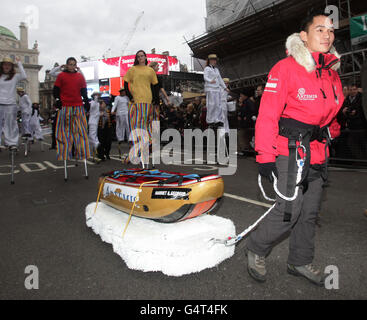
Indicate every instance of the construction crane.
{"type": "Point", "coordinates": [131, 33]}
{"type": "Point", "coordinates": [108, 52]}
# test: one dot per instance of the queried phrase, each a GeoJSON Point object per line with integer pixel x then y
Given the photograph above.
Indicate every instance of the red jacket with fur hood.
{"type": "Point", "coordinates": [306, 87]}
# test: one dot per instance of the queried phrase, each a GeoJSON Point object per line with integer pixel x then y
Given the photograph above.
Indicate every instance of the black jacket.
{"type": "Point", "coordinates": [357, 121]}
{"type": "Point", "coordinates": [246, 111]}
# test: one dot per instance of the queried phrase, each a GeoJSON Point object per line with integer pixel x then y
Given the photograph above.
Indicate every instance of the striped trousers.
{"type": "Point", "coordinates": [141, 117]}
{"type": "Point", "coordinates": [71, 130]}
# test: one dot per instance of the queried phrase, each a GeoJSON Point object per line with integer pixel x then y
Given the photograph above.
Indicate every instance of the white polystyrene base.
{"type": "Point", "coordinates": [174, 249]}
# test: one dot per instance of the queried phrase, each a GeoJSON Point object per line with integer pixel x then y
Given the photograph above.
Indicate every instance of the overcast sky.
{"type": "Point", "coordinates": [90, 27]}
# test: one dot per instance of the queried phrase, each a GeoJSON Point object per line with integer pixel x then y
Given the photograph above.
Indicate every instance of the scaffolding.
{"type": "Point", "coordinates": [250, 45]}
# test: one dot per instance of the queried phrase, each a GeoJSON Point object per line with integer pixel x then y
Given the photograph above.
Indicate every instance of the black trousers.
{"type": "Point", "coordinates": [105, 141]}
{"type": "Point", "coordinates": [302, 227]}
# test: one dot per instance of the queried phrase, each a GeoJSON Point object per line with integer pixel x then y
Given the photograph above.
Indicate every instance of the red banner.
{"type": "Point", "coordinates": [108, 68]}
{"type": "Point", "coordinates": [112, 70]}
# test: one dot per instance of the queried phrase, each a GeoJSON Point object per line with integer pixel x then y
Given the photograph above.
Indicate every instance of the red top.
{"type": "Point", "coordinates": [70, 85]}
{"type": "Point", "coordinates": [292, 92]}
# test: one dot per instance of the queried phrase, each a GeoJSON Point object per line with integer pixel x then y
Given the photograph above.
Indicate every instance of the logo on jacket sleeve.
{"type": "Point", "coordinates": [305, 97]}
{"type": "Point", "coordinates": [271, 85]}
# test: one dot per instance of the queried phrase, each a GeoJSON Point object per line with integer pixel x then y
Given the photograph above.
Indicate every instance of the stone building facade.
{"type": "Point", "coordinates": [11, 47]}
{"type": "Point", "coordinates": [46, 94]}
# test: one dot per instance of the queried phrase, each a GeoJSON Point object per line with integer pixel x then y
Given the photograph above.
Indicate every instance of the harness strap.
{"type": "Point", "coordinates": [178, 179]}
{"type": "Point", "coordinates": [298, 131]}
{"type": "Point", "coordinates": [168, 177]}
{"type": "Point", "coordinates": [291, 178]}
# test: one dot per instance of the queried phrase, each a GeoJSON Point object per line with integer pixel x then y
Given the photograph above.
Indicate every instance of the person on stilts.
{"type": "Point", "coordinates": [9, 79]}
{"type": "Point", "coordinates": [8, 105]}
{"type": "Point", "coordinates": [25, 105]}
{"type": "Point", "coordinates": [71, 128]}
{"type": "Point", "coordinates": [35, 125]}
{"type": "Point", "coordinates": [93, 121]}
{"type": "Point", "coordinates": [121, 110]}
{"type": "Point", "coordinates": [214, 85]}
{"type": "Point", "coordinates": [140, 77]}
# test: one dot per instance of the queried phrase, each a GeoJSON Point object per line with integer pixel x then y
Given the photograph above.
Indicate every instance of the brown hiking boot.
{"type": "Point", "coordinates": [308, 271]}
{"type": "Point", "coordinates": [256, 266]}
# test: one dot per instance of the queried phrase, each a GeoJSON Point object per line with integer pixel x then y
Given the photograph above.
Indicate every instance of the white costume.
{"type": "Point", "coordinates": [214, 112]}
{"type": "Point", "coordinates": [35, 126]}
{"type": "Point", "coordinates": [25, 106]}
{"type": "Point", "coordinates": [121, 106]}
{"type": "Point", "coordinates": [55, 71]}
{"type": "Point", "coordinates": [93, 124]}
{"type": "Point", "coordinates": [224, 105]}
{"type": "Point", "coordinates": [8, 106]}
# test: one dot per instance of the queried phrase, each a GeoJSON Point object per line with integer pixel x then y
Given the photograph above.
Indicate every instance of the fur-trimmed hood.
{"type": "Point", "coordinates": [296, 48]}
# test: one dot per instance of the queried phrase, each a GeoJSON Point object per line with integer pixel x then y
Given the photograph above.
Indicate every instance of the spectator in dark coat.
{"type": "Point", "coordinates": [258, 94]}
{"type": "Point", "coordinates": [356, 123]}
{"type": "Point", "coordinates": [246, 123]}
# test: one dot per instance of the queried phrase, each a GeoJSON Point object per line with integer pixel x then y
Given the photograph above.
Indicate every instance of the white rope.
{"type": "Point", "coordinates": [300, 164]}
{"type": "Point", "coordinates": [230, 241]}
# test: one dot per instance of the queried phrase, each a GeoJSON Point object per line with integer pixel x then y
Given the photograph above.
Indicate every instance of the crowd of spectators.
{"type": "Point", "coordinates": [351, 144]}
{"type": "Point", "coordinates": [192, 115]}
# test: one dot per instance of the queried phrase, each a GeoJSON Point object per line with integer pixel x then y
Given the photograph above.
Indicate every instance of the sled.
{"type": "Point", "coordinates": [160, 195]}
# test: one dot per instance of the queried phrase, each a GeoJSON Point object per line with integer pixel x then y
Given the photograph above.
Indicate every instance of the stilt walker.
{"type": "Point", "coordinates": [35, 125]}
{"type": "Point", "coordinates": [141, 78]}
{"type": "Point", "coordinates": [8, 106]}
{"type": "Point", "coordinates": [214, 85]}
{"type": "Point", "coordinates": [121, 111]}
{"type": "Point", "coordinates": [25, 106]}
{"type": "Point", "coordinates": [93, 123]}
{"type": "Point", "coordinates": [71, 128]}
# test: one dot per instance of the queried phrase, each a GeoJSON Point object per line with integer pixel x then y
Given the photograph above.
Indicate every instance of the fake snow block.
{"type": "Point", "coordinates": [174, 249]}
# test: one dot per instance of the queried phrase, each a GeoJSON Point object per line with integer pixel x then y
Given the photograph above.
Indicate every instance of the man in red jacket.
{"type": "Point", "coordinates": [299, 106]}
